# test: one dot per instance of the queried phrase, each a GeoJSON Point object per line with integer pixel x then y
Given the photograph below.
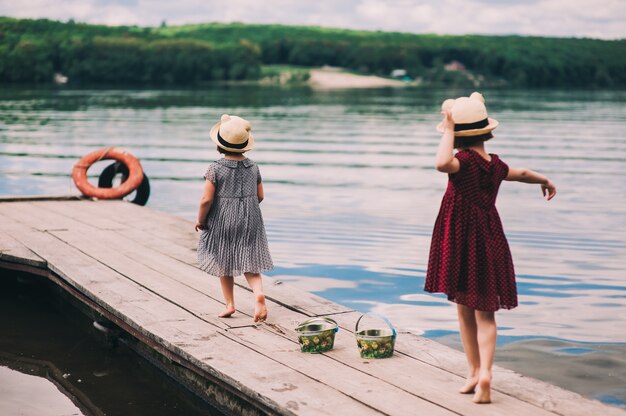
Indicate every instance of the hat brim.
{"type": "Point", "coordinates": [213, 136]}
{"type": "Point", "coordinates": [493, 123]}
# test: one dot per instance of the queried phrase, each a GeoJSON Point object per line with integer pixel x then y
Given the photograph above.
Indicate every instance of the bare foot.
{"type": "Point", "coordinates": [226, 313]}
{"type": "Point", "coordinates": [483, 392]}
{"type": "Point", "coordinates": [470, 385]}
{"type": "Point", "coordinates": [260, 310]}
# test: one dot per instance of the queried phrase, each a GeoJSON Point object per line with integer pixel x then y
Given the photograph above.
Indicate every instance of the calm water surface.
{"type": "Point", "coordinates": [352, 197]}
{"type": "Point", "coordinates": [48, 347]}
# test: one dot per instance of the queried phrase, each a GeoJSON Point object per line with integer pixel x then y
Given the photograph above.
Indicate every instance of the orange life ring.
{"type": "Point", "coordinates": [135, 173]}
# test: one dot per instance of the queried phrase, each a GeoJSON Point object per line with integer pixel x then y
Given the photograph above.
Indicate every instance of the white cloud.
{"type": "Point", "coordinates": [606, 19]}
{"type": "Point", "coordinates": [403, 15]}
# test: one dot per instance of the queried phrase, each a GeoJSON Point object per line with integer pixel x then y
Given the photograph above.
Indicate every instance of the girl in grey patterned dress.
{"type": "Point", "coordinates": [233, 240]}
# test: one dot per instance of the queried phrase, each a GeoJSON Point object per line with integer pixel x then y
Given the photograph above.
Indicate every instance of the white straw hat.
{"type": "Point", "coordinates": [469, 115]}
{"type": "Point", "coordinates": [232, 134]}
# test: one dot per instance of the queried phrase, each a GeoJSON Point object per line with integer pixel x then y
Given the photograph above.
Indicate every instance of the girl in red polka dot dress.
{"type": "Point", "coordinates": [470, 260]}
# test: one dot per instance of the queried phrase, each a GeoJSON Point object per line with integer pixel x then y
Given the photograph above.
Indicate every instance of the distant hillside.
{"type": "Point", "coordinates": [32, 50]}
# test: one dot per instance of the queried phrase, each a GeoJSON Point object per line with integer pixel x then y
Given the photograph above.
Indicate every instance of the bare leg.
{"type": "Point", "coordinates": [228, 283]}
{"type": "Point", "coordinates": [467, 321]}
{"type": "Point", "coordinates": [255, 282]}
{"type": "Point", "coordinates": [487, 332]}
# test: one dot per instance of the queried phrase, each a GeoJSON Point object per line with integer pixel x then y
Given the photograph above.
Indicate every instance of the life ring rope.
{"type": "Point", "coordinates": [108, 174]}
{"type": "Point", "coordinates": [135, 173]}
{"type": "Point", "coordinates": [87, 166]}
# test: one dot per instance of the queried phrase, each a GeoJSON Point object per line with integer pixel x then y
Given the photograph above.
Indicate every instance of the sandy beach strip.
{"type": "Point", "coordinates": [335, 79]}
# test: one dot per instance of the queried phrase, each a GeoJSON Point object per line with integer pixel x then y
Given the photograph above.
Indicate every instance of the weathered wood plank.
{"type": "Point", "coordinates": [29, 214]}
{"type": "Point", "coordinates": [140, 265]}
{"type": "Point", "coordinates": [426, 380]}
{"type": "Point", "coordinates": [530, 390]}
{"type": "Point", "coordinates": [182, 286]}
{"type": "Point", "coordinates": [79, 213]}
{"type": "Point", "coordinates": [13, 251]}
{"type": "Point", "coordinates": [111, 250]}
{"type": "Point", "coordinates": [100, 249]}
{"type": "Point", "coordinates": [376, 392]}
{"type": "Point", "coordinates": [265, 379]}
{"type": "Point", "coordinates": [284, 294]}
{"type": "Point", "coordinates": [11, 198]}
{"type": "Point", "coordinates": [178, 240]}
{"type": "Point", "coordinates": [294, 391]}
{"type": "Point", "coordinates": [401, 372]}
{"type": "Point", "coordinates": [507, 384]}
{"type": "Point", "coordinates": [353, 379]}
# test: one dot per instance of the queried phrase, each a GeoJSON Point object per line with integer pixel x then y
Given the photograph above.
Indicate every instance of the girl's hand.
{"type": "Point", "coordinates": [448, 123]}
{"type": "Point", "coordinates": [550, 188]}
{"type": "Point", "coordinates": [200, 226]}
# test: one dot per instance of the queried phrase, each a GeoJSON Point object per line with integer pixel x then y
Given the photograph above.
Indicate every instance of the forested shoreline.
{"type": "Point", "coordinates": [32, 51]}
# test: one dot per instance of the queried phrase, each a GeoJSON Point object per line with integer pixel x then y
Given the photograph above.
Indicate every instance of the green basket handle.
{"type": "Point", "coordinates": [319, 319]}
{"type": "Point", "coordinates": [356, 327]}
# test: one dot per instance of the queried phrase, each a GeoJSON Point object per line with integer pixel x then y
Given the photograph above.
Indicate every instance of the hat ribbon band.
{"type": "Point", "coordinates": [471, 126]}
{"type": "Point", "coordinates": [231, 145]}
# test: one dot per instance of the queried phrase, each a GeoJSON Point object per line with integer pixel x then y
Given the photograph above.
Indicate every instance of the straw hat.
{"type": "Point", "coordinates": [469, 115]}
{"type": "Point", "coordinates": [232, 134]}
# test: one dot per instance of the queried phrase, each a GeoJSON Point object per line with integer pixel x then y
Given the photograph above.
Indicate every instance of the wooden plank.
{"type": "Point", "coordinates": [373, 391]}
{"type": "Point", "coordinates": [22, 198]}
{"type": "Point", "coordinates": [184, 283]}
{"type": "Point", "coordinates": [426, 380]}
{"type": "Point", "coordinates": [101, 249]}
{"type": "Point", "coordinates": [12, 250]}
{"type": "Point", "coordinates": [293, 298]}
{"type": "Point", "coordinates": [132, 215]}
{"type": "Point", "coordinates": [346, 379]}
{"type": "Point", "coordinates": [33, 216]}
{"type": "Point", "coordinates": [140, 265]}
{"type": "Point", "coordinates": [400, 372]}
{"type": "Point", "coordinates": [284, 294]}
{"type": "Point", "coordinates": [198, 341]}
{"type": "Point", "coordinates": [530, 390]}
{"type": "Point", "coordinates": [507, 384]}
{"type": "Point", "coordinates": [177, 240]}
{"type": "Point", "coordinates": [152, 270]}
{"type": "Point", "coordinates": [295, 391]}
{"type": "Point", "coordinates": [79, 213]}
{"type": "Point", "coordinates": [196, 304]}
{"type": "Point", "coordinates": [352, 379]}
{"type": "Point", "coordinates": [111, 251]}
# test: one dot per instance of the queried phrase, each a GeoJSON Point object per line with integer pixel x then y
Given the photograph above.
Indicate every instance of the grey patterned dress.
{"type": "Point", "coordinates": [234, 240]}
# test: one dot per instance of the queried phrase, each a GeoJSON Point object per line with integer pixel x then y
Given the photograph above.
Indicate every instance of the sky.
{"type": "Point", "coordinates": [604, 19]}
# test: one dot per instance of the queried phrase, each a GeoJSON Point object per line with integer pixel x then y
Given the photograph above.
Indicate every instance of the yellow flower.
{"type": "Point", "coordinates": [374, 345]}
{"type": "Point", "coordinates": [316, 340]}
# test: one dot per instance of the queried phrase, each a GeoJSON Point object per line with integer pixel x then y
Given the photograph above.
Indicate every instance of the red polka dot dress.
{"type": "Point", "coordinates": [470, 260]}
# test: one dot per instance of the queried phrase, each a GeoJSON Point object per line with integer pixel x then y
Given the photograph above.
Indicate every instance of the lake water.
{"type": "Point", "coordinates": [352, 195]}
{"type": "Point", "coordinates": [48, 347]}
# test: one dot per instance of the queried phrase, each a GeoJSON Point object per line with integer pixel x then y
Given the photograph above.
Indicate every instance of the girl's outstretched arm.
{"type": "Point", "coordinates": [529, 176]}
{"type": "Point", "coordinates": [205, 203]}
{"type": "Point", "coordinates": [446, 162]}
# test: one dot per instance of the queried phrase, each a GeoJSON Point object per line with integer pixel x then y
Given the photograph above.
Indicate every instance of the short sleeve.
{"type": "Point", "coordinates": [463, 157]}
{"type": "Point", "coordinates": [504, 169]}
{"type": "Point", "coordinates": [209, 175]}
{"type": "Point", "coordinates": [259, 179]}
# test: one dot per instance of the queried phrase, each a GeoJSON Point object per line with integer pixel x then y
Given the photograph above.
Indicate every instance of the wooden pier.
{"type": "Point", "coordinates": [136, 268]}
